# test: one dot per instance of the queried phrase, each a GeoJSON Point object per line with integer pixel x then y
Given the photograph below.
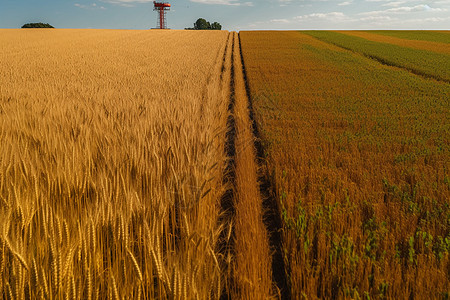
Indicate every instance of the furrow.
{"type": "Point", "coordinates": [252, 268]}
{"type": "Point", "coordinates": [226, 238]}
{"type": "Point", "coordinates": [270, 209]}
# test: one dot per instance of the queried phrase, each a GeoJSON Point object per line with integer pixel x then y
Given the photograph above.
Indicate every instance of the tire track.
{"type": "Point", "coordinates": [214, 69]}
{"type": "Point", "coordinates": [250, 243]}
{"type": "Point", "coordinates": [227, 236]}
{"type": "Point", "coordinates": [251, 264]}
{"type": "Point", "coordinates": [272, 219]}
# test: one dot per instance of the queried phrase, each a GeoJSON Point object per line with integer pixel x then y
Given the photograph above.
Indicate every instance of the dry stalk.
{"type": "Point", "coordinates": [136, 266]}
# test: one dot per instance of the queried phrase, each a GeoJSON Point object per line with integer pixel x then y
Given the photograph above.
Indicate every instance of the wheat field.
{"type": "Point", "coordinates": [170, 164]}
{"type": "Point", "coordinates": [111, 163]}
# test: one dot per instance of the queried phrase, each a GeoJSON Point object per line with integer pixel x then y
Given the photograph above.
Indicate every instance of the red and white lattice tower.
{"type": "Point", "coordinates": [161, 8]}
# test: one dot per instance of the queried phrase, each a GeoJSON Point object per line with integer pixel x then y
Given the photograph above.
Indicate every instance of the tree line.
{"type": "Point", "coordinates": [37, 25]}
{"type": "Point", "coordinates": [202, 24]}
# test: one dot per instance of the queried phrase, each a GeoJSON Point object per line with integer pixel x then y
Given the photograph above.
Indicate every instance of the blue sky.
{"type": "Point", "coordinates": [232, 14]}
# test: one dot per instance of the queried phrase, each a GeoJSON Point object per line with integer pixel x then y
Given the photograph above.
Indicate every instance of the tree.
{"type": "Point", "coordinates": [37, 25]}
{"type": "Point", "coordinates": [216, 26]}
{"type": "Point", "coordinates": [202, 24]}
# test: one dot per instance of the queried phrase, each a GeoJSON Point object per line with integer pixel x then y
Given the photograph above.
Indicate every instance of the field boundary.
{"type": "Point", "coordinates": [228, 210]}
{"type": "Point", "coordinates": [271, 210]}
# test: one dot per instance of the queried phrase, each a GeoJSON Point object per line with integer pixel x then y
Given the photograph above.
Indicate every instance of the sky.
{"type": "Point", "coordinates": [232, 14]}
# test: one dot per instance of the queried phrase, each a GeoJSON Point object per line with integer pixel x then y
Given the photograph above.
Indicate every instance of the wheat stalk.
{"type": "Point", "coordinates": [8, 288]}
{"type": "Point", "coordinates": [59, 230]}
{"type": "Point", "coordinates": [89, 286]}
{"type": "Point", "coordinates": [93, 237]}
{"type": "Point", "coordinates": [66, 231]}
{"type": "Point", "coordinates": [35, 286]}
{"type": "Point", "coordinates": [44, 280]}
{"type": "Point", "coordinates": [114, 288]}
{"type": "Point", "coordinates": [73, 287]}
{"type": "Point", "coordinates": [21, 260]}
{"type": "Point", "coordinates": [136, 266]}
{"type": "Point", "coordinates": [2, 258]}
{"type": "Point", "coordinates": [54, 262]}
{"type": "Point", "coordinates": [67, 262]}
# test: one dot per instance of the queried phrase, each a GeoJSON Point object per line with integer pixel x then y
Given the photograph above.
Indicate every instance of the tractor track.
{"type": "Point", "coordinates": [227, 236]}
{"type": "Point", "coordinates": [237, 242]}
{"type": "Point", "coordinates": [250, 244]}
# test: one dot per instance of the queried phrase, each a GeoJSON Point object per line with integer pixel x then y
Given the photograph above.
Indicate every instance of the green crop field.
{"type": "Point", "coordinates": [425, 63]}
{"type": "Point", "coordinates": [431, 36]}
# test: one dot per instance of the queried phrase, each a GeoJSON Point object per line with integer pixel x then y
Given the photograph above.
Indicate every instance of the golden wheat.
{"type": "Point", "coordinates": [112, 147]}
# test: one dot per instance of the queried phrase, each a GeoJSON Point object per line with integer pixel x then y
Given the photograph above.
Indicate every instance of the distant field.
{"type": "Point", "coordinates": [421, 62]}
{"type": "Point", "coordinates": [360, 158]}
{"type": "Point", "coordinates": [422, 35]}
{"type": "Point", "coordinates": [438, 47]}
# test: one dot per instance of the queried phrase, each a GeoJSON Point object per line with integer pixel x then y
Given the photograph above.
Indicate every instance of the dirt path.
{"type": "Point", "coordinates": [254, 249]}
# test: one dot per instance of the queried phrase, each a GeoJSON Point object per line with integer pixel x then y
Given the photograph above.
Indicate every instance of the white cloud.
{"type": "Point", "coordinates": [394, 4]}
{"type": "Point", "coordinates": [332, 16]}
{"type": "Point", "coordinates": [308, 3]}
{"type": "Point", "coordinates": [282, 21]}
{"type": "Point", "coordinates": [377, 19]}
{"type": "Point", "coordinates": [130, 3]}
{"type": "Point", "coordinates": [89, 6]}
{"type": "Point", "coordinates": [126, 3]}
{"type": "Point", "coordinates": [403, 9]}
{"type": "Point", "coordinates": [421, 7]}
{"type": "Point", "coordinates": [358, 14]}
{"type": "Point", "coordinates": [403, 23]}
{"type": "Point", "coordinates": [224, 2]}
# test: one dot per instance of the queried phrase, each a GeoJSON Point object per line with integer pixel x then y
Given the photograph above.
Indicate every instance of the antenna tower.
{"type": "Point", "coordinates": [161, 8]}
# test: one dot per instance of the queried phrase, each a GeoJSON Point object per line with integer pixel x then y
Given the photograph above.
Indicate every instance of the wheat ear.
{"type": "Point", "coordinates": [114, 288]}
{"type": "Point", "coordinates": [136, 266]}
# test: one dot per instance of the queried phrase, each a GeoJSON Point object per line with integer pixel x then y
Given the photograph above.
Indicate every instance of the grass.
{"type": "Point", "coordinates": [111, 164]}
{"type": "Point", "coordinates": [422, 62]}
{"type": "Point", "coordinates": [359, 159]}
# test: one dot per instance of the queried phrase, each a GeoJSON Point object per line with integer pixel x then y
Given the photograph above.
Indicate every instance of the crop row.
{"type": "Point", "coordinates": [421, 62]}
